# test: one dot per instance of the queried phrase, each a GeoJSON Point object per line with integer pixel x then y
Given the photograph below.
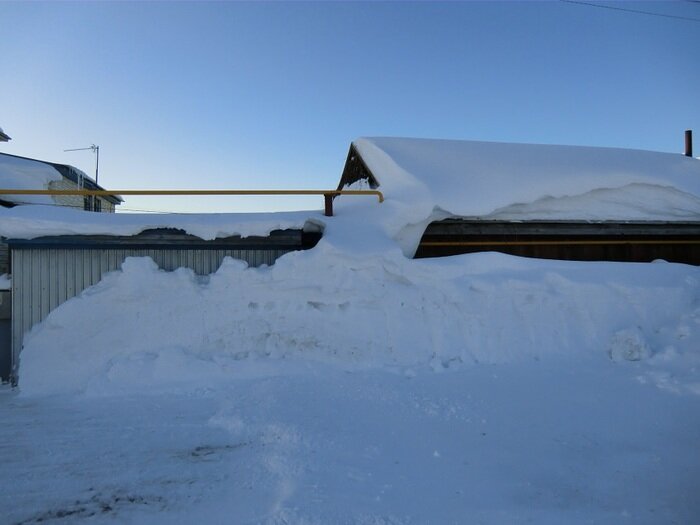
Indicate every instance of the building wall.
{"type": "Point", "coordinates": [43, 278]}
{"type": "Point", "coordinates": [4, 257]}
{"type": "Point", "coordinates": [570, 241]}
{"type": "Point", "coordinates": [5, 334]}
{"type": "Point", "coordinates": [75, 201]}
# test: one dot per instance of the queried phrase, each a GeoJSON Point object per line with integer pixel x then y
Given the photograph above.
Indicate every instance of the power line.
{"type": "Point", "coordinates": [638, 11]}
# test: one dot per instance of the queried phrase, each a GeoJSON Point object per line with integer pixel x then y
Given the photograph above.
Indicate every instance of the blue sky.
{"type": "Point", "coordinates": [270, 95]}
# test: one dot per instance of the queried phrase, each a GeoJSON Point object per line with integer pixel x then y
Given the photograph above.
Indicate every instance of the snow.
{"type": "Point", "coordinates": [351, 384]}
{"type": "Point", "coordinates": [332, 389]}
{"type": "Point", "coordinates": [635, 202]}
{"type": "Point", "coordinates": [531, 181]}
{"type": "Point", "coordinates": [28, 222]}
{"type": "Point", "coordinates": [549, 442]}
{"type": "Point", "coordinates": [18, 173]}
{"type": "Point", "coordinates": [426, 180]}
{"type": "Point", "coordinates": [424, 313]}
{"type": "Point", "coordinates": [5, 282]}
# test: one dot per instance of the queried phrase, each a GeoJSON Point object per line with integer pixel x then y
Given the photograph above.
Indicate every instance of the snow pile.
{"type": "Point", "coordinates": [17, 173]}
{"type": "Point", "coordinates": [531, 182]}
{"type": "Point", "coordinates": [143, 328]}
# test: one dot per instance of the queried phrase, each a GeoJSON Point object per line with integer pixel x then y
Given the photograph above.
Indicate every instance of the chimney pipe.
{"type": "Point", "coordinates": [688, 142]}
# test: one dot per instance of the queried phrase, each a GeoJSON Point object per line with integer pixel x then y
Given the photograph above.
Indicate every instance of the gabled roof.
{"type": "Point", "coordinates": [25, 173]}
{"type": "Point", "coordinates": [527, 181]}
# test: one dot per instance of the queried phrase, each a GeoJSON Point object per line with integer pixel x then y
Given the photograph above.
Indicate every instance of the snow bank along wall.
{"type": "Point", "coordinates": [47, 271]}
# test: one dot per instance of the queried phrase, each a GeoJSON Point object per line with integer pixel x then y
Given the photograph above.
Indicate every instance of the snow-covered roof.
{"type": "Point", "coordinates": [427, 180]}
{"type": "Point", "coordinates": [531, 181]}
{"type": "Point", "coordinates": [29, 222]}
{"type": "Point", "coordinates": [19, 173]}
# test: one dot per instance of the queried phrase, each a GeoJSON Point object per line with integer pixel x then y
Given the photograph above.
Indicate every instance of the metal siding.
{"type": "Point", "coordinates": [44, 278]}
{"type": "Point", "coordinates": [87, 269]}
{"type": "Point", "coordinates": [52, 283]}
{"type": "Point", "coordinates": [35, 281]}
{"type": "Point", "coordinates": [119, 256]}
{"type": "Point", "coordinates": [4, 258]}
{"type": "Point", "coordinates": [96, 267]}
{"type": "Point", "coordinates": [61, 281]}
{"type": "Point", "coordinates": [17, 311]}
{"type": "Point", "coordinates": [104, 262]}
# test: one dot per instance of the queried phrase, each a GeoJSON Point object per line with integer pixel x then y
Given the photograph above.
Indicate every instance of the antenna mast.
{"type": "Point", "coordinates": [96, 151]}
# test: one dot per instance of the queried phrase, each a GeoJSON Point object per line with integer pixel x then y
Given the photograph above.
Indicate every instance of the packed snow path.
{"type": "Point", "coordinates": [567, 441]}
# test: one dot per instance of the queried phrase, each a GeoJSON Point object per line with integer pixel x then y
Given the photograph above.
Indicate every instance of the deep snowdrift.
{"type": "Point", "coordinates": [143, 328]}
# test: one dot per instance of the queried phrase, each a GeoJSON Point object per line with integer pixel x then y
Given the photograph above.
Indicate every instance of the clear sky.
{"type": "Point", "coordinates": [270, 95]}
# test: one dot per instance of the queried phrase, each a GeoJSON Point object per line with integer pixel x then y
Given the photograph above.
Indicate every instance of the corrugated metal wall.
{"type": "Point", "coordinates": [4, 257]}
{"type": "Point", "coordinates": [44, 278]}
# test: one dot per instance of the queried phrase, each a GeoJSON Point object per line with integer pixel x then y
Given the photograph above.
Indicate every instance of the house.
{"type": "Point", "coordinates": [24, 173]}
{"type": "Point", "coordinates": [544, 201]}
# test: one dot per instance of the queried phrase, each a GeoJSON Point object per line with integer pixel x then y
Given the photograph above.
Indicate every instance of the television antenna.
{"type": "Point", "coordinates": [96, 151]}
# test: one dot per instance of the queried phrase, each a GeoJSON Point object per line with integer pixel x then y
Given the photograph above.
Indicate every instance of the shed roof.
{"type": "Point", "coordinates": [531, 181]}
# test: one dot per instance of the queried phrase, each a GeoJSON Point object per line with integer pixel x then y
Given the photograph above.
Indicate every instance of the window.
{"type": "Point", "coordinates": [91, 203]}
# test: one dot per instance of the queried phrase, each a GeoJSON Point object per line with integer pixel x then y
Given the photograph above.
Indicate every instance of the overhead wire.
{"type": "Point", "coordinates": [629, 10]}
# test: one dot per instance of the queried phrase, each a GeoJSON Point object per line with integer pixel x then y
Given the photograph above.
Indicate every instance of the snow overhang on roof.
{"type": "Point", "coordinates": [20, 173]}
{"type": "Point", "coordinates": [529, 181]}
